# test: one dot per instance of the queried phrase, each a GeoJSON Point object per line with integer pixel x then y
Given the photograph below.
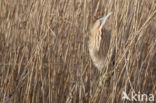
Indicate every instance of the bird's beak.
{"type": "Point", "coordinates": [103, 20]}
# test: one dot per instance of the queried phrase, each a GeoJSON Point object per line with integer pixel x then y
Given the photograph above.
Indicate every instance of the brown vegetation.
{"type": "Point", "coordinates": [44, 50]}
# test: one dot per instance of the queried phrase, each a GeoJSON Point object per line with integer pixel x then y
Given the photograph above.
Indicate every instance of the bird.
{"type": "Point", "coordinates": [99, 42]}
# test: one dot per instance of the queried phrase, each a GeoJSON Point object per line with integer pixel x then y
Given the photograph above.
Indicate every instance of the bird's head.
{"type": "Point", "coordinates": [103, 20]}
{"type": "Point", "coordinates": [99, 24]}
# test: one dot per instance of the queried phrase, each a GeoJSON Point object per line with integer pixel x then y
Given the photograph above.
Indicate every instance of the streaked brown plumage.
{"type": "Point", "coordinates": [99, 41]}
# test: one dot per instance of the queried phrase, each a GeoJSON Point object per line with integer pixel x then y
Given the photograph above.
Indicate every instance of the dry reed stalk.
{"type": "Point", "coordinates": [44, 50]}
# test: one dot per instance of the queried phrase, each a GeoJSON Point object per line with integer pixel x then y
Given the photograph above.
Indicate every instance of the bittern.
{"type": "Point", "coordinates": [99, 41]}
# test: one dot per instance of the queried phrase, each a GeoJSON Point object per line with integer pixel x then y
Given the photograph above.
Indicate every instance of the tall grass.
{"type": "Point", "coordinates": [44, 50]}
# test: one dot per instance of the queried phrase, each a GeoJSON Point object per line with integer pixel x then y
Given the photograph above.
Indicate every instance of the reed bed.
{"type": "Point", "coordinates": [44, 51]}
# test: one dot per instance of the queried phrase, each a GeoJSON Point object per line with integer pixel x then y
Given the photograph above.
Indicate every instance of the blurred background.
{"type": "Point", "coordinates": [44, 50]}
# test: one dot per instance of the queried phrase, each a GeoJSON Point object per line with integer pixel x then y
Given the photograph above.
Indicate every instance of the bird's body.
{"type": "Point", "coordinates": [99, 41]}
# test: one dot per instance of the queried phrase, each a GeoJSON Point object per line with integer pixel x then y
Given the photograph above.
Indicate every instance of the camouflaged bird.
{"type": "Point", "coordinates": [99, 41]}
